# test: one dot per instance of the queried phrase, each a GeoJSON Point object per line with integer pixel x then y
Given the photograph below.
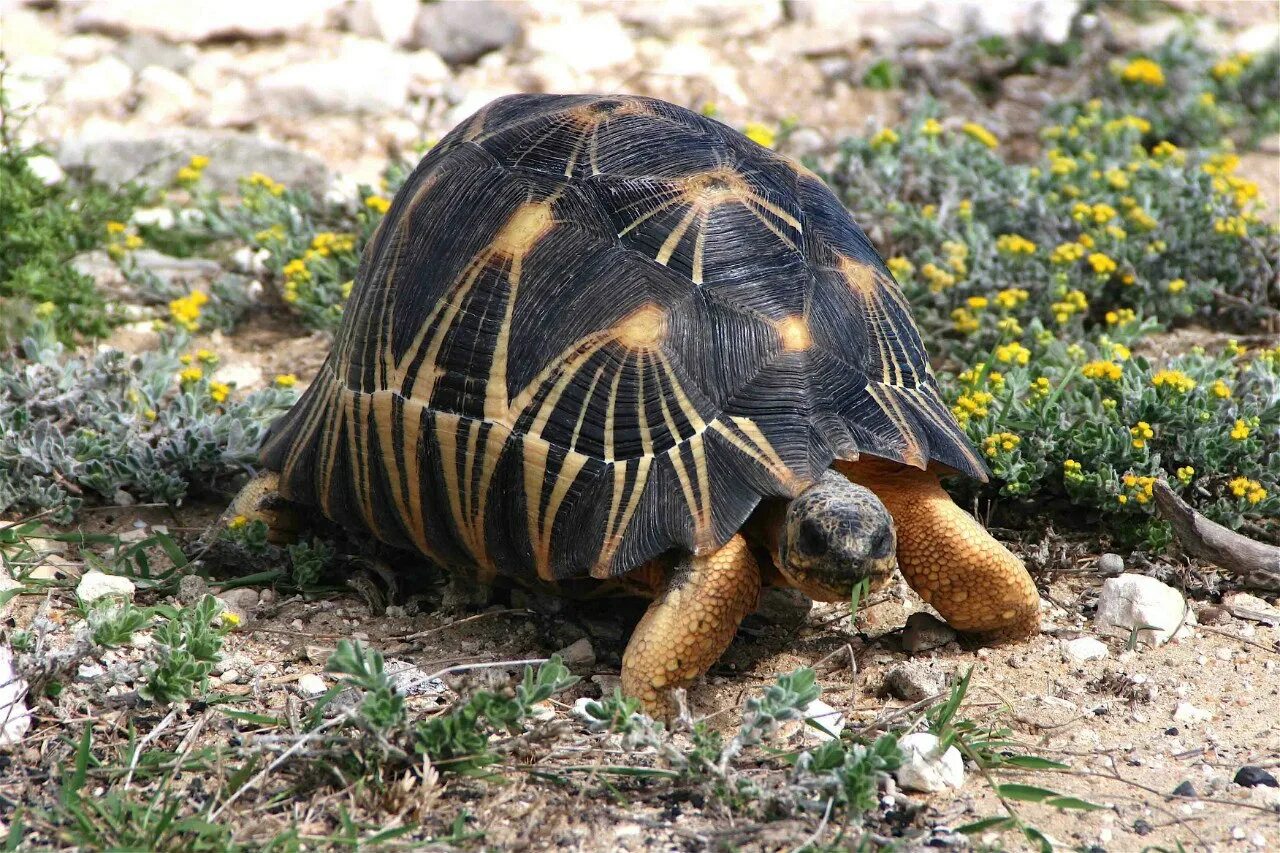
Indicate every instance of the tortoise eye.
{"type": "Point", "coordinates": [812, 539]}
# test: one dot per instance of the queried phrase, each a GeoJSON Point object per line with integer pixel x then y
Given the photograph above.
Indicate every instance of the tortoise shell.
{"type": "Point", "coordinates": [594, 329]}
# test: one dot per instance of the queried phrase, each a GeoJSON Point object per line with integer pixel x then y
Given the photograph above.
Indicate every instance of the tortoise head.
{"type": "Point", "coordinates": [835, 534]}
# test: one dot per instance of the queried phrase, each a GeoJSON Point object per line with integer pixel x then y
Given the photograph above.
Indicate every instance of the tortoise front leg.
{"type": "Point", "coordinates": [954, 564]}
{"type": "Point", "coordinates": [690, 623]}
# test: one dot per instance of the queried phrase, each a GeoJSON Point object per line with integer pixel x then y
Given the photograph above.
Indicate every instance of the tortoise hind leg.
{"type": "Point", "coordinates": [690, 623]}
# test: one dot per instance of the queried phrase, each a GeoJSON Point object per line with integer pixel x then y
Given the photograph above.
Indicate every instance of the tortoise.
{"type": "Point", "coordinates": [607, 337]}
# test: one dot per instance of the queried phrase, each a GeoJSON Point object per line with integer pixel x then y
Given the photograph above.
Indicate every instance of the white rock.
{"type": "Point", "coordinates": [245, 259]}
{"type": "Point", "coordinates": [241, 374]}
{"type": "Point", "coordinates": [390, 20]}
{"type": "Point", "coordinates": [1129, 601]}
{"type": "Point", "coordinates": [579, 710]}
{"type": "Point", "coordinates": [924, 769]}
{"type": "Point", "coordinates": [165, 95]}
{"type": "Point", "coordinates": [101, 84]}
{"type": "Point", "coordinates": [592, 42]}
{"type": "Point", "coordinates": [311, 684]}
{"type": "Point", "coordinates": [831, 720]}
{"type": "Point", "coordinates": [46, 169]}
{"type": "Point", "coordinates": [1185, 712]}
{"type": "Point", "coordinates": [1084, 648]}
{"type": "Point", "coordinates": [15, 718]}
{"type": "Point", "coordinates": [95, 584]}
{"type": "Point", "coordinates": [198, 22]}
{"type": "Point", "coordinates": [365, 78]}
{"type": "Point", "coordinates": [29, 79]}
{"type": "Point", "coordinates": [159, 217]}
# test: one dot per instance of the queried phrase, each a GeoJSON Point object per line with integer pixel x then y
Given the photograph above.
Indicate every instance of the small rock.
{"type": "Point", "coordinates": [157, 217]}
{"type": "Point", "coordinates": [1109, 565]}
{"type": "Point", "coordinates": [924, 769]}
{"type": "Point", "coordinates": [579, 710]}
{"type": "Point", "coordinates": [543, 711]}
{"type": "Point", "coordinates": [829, 719]}
{"type": "Point", "coordinates": [164, 95]}
{"type": "Point", "coordinates": [925, 631]}
{"type": "Point", "coordinates": [95, 584]}
{"type": "Point", "coordinates": [153, 160]}
{"type": "Point", "coordinates": [1212, 614]}
{"type": "Point", "coordinates": [412, 680]}
{"type": "Point", "coordinates": [1185, 712]}
{"type": "Point", "coordinates": [578, 656]}
{"type": "Point", "coordinates": [201, 22]}
{"type": "Point", "coordinates": [1129, 602]}
{"type": "Point", "coordinates": [192, 588]}
{"type": "Point", "coordinates": [311, 684]}
{"type": "Point", "coordinates": [587, 43]}
{"type": "Point", "coordinates": [1242, 605]}
{"type": "Point", "coordinates": [1184, 789]}
{"type": "Point", "coordinates": [366, 78]}
{"type": "Point", "coordinates": [783, 606]}
{"type": "Point", "coordinates": [1251, 777]}
{"type": "Point", "coordinates": [390, 20]}
{"type": "Point", "coordinates": [244, 598]}
{"type": "Point", "coordinates": [171, 270]}
{"type": "Point", "coordinates": [1084, 648]}
{"type": "Point", "coordinates": [15, 717]}
{"type": "Point", "coordinates": [231, 676]}
{"type": "Point", "coordinates": [46, 169]}
{"type": "Point", "coordinates": [462, 31]}
{"type": "Point", "coordinates": [90, 671]}
{"type": "Point", "coordinates": [100, 84]}
{"type": "Point", "coordinates": [916, 680]}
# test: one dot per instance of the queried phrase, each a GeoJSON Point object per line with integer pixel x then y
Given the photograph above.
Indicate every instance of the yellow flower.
{"type": "Point", "coordinates": [1166, 150]}
{"type": "Point", "coordinates": [191, 374]}
{"type": "Point", "coordinates": [1120, 316]}
{"type": "Point", "coordinates": [1067, 253]}
{"type": "Point", "coordinates": [150, 414]}
{"type": "Point", "coordinates": [977, 303]}
{"type": "Point", "coordinates": [1240, 431]}
{"type": "Point", "coordinates": [762, 134]}
{"type": "Point", "coordinates": [938, 278]}
{"type": "Point", "coordinates": [1102, 264]}
{"type": "Point", "coordinates": [187, 176]}
{"type": "Point", "coordinates": [185, 310]}
{"type": "Point", "coordinates": [1228, 69]}
{"type": "Point", "coordinates": [1012, 297]}
{"type": "Point", "coordinates": [218, 391]}
{"type": "Point", "coordinates": [286, 380]}
{"type": "Point", "coordinates": [1233, 348]}
{"type": "Point", "coordinates": [46, 309]}
{"type": "Point", "coordinates": [1177, 285]}
{"type": "Point", "coordinates": [1073, 303]}
{"type": "Point", "coordinates": [884, 138]}
{"type": "Point", "coordinates": [1015, 244]}
{"type": "Point", "coordinates": [257, 179]}
{"type": "Point", "coordinates": [980, 133]}
{"type": "Point", "coordinates": [1140, 433]}
{"type": "Point", "coordinates": [1117, 179]}
{"type": "Point", "coordinates": [346, 288]}
{"type": "Point", "coordinates": [900, 267]}
{"type": "Point", "coordinates": [1102, 370]}
{"type": "Point", "coordinates": [1175, 380]}
{"type": "Point", "coordinates": [238, 522]}
{"type": "Point", "coordinates": [1115, 232]}
{"type": "Point", "coordinates": [1250, 490]}
{"type": "Point", "coordinates": [1120, 352]}
{"type": "Point", "coordinates": [186, 358]}
{"type": "Point", "coordinates": [1231, 226]}
{"type": "Point", "coordinates": [207, 356]}
{"type": "Point", "coordinates": [931, 127]}
{"type": "Point", "coordinates": [965, 210]}
{"type": "Point", "coordinates": [229, 619]}
{"type": "Point", "coordinates": [1071, 470]}
{"type": "Point", "coordinates": [198, 161]}
{"type": "Point", "coordinates": [1142, 71]}
{"type": "Point", "coordinates": [377, 203]}
{"type": "Point", "coordinates": [296, 270]}
{"type": "Point", "coordinates": [114, 227]}
{"type": "Point", "coordinates": [1040, 387]}
{"type": "Point", "coordinates": [1000, 441]}
{"type": "Point", "coordinates": [1142, 220]}
{"type": "Point", "coordinates": [1013, 353]}
{"type": "Point", "coordinates": [929, 211]}
{"type": "Point", "coordinates": [1186, 473]}
{"type": "Point", "coordinates": [1109, 404]}
{"type": "Point", "coordinates": [1220, 389]}
{"type": "Point", "coordinates": [957, 253]}
{"type": "Point", "coordinates": [963, 321]}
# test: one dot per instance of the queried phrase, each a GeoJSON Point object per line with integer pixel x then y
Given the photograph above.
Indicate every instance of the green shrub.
{"type": "Point", "coordinates": [115, 427]}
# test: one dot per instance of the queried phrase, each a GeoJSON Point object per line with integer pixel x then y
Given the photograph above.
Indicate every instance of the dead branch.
{"type": "Point", "coordinates": [1256, 564]}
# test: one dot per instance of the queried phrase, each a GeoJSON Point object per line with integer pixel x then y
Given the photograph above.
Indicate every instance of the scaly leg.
{"type": "Point", "coordinates": [954, 564]}
{"type": "Point", "coordinates": [690, 623]}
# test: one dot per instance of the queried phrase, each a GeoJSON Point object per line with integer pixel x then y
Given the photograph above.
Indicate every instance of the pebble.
{"type": "Point", "coordinates": [578, 656]}
{"type": "Point", "coordinates": [831, 721]}
{"type": "Point", "coordinates": [1130, 601]}
{"type": "Point", "coordinates": [310, 684]}
{"type": "Point", "coordinates": [1084, 648]}
{"type": "Point", "coordinates": [462, 31]}
{"type": "Point", "coordinates": [15, 717]}
{"type": "Point", "coordinates": [1185, 712]}
{"type": "Point", "coordinates": [192, 588]}
{"type": "Point", "coordinates": [924, 769]}
{"type": "Point", "coordinates": [1251, 776]}
{"type": "Point", "coordinates": [915, 680]}
{"type": "Point", "coordinates": [392, 21]}
{"type": "Point", "coordinates": [165, 96]}
{"type": "Point", "coordinates": [95, 584]}
{"type": "Point", "coordinates": [201, 22]}
{"type": "Point", "coordinates": [100, 84]}
{"type": "Point", "coordinates": [365, 78]}
{"type": "Point", "coordinates": [412, 680]}
{"type": "Point", "coordinates": [1242, 605]}
{"type": "Point", "coordinates": [46, 169]}
{"type": "Point", "coordinates": [925, 631]}
{"type": "Point", "coordinates": [1110, 565]}
{"type": "Point", "coordinates": [1184, 789]}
